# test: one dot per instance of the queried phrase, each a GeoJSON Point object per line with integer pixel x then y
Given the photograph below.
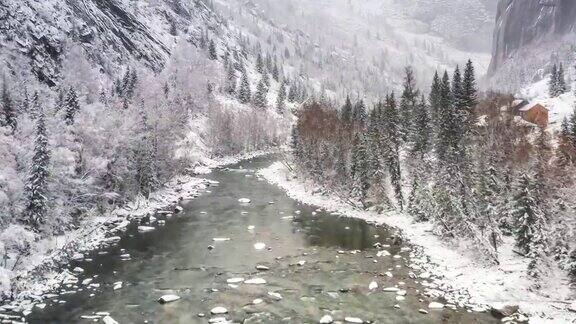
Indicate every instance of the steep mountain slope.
{"type": "Point", "coordinates": [529, 35]}
{"type": "Point", "coordinates": [35, 35]}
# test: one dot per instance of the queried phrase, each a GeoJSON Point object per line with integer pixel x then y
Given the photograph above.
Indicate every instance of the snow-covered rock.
{"type": "Point", "coordinates": [255, 281]}
{"type": "Point", "coordinates": [168, 299]}
{"type": "Point", "coordinates": [326, 319]}
{"type": "Point", "coordinates": [145, 229]}
{"type": "Point", "coordinates": [218, 310]}
{"type": "Point", "coordinates": [244, 200]}
{"type": "Point", "coordinates": [109, 320]}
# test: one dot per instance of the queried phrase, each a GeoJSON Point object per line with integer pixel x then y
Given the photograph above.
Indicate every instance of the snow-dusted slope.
{"type": "Point", "coordinates": [362, 47]}
{"type": "Point", "coordinates": [36, 35]}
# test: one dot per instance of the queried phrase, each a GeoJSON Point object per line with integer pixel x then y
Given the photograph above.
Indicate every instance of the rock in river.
{"type": "Point", "coordinates": [255, 281]}
{"type": "Point", "coordinates": [435, 305]}
{"type": "Point", "coordinates": [218, 310]}
{"type": "Point", "coordinates": [244, 200]}
{"type": "Point", "coordinates": [168, 299]}
{"type": "Point", "coordinates": [145, 229]}
{"type": "Point", "coordinates": [353, 320]}
{"type": "Point", "coordinates": [326, 319]}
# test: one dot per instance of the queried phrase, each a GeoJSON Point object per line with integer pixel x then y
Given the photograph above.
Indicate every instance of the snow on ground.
{"type": "Point", "coordinates": [462, 278]}
{"type": "Point", "coordinates": [559, 107]}
{"type": "Point", "coordinates": [46, 268]}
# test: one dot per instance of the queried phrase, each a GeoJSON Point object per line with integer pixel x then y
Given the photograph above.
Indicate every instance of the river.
{"type": "Point", "coordinates": [319, 263]}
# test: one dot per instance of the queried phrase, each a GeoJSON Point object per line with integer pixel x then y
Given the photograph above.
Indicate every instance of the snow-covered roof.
{"type": "Point", "coordinates": [532, 105]}
{"type": "Point", "coordinates": [518, 102]}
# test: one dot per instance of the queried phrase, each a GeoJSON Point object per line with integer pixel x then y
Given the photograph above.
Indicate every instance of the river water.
{"type": "Point", "coordinates": [319, 263]}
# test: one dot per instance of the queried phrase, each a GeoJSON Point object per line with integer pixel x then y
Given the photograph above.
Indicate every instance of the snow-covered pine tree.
{"type": "Point", "coordinates": [230, 84]}
{"type": "Point", "coordinates": [72, 106]}
{"type": "Point", "coordinates": [434, 99]}
{"type": "Point", "coordinates": [361, 168]}
{"type": "Point", "coordinates": [260, 97]}
{"type": "Point", "coordinates": [293, 92]}
{"type": "Point", "coordinates": [408, 103]}
{"type": "Point", "coordinates": [445, 119]}
{"type": "Point", "coordinates": [469, 96]}
{"type": "Point", "coordinates": [8, 111]}
{"type": "Point", "coordinates": [553, 83]}
{"type": "Point", "coordinates": [259, 64]}
{"type": "Point", "coordinates": [244, 93]}
{"type": "Point", "coordinates": [37, 184]}
{"type": "Point", "coordinates": [527, 215]}
{"type": "Point", "coordinates": [421, 132]}
{"type": "Point", "coordinates": [276, 72]}
{"type": "Point", "coordinates": [359, 114]}
{"type": "Point", "coordinates": [562, 86]}
{"type": "Point", "coordinates": [392, 147]}
{"type": "Point", "coordinates": [212, 53]}
{"type": "Point", "coordinates": [346, 112]}
{"type": "Point", "coordinates": [281, 98]}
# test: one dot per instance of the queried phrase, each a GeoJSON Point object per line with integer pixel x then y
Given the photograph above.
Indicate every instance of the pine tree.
{"type": "Point", "coordinates": [359, 115]}
{"type": "Point", "coordinates": [230, 84]}
{"type": "Point", "coordinates": [260, 97]}
{"type": "Point", "coordinates": [469, 96]}
{"type": "Point", "coordinates": [276, 72]}
{"type": "Point", "coordinates": [72, 106]}
{"type": "Point", "coordinates": [281, 98]}
{"type": "Point", "coordinates": [259, 64]}
{"type": "Point", "coordinates": [37, 185]}
{"type": "Point", "coordinates": [421, 133]}
{"type": "Point", "coordinates": [553, 83]}
{"type": "Point", "coordinates": [293, 92]}
{"type": "Point", "coordinates": [434, 99]}
{"type": "Point", "coordinates": [527, 216]}
{"type": "Point", "coordinates": [346, 113]}
{"type": "Point", "coordinates": [408, 103]}
{"type": "Point", "coordinates": [361, 168]}
{"type": "Point", "coordinates": [561, 82]}
{"type": "Point", "coordinates": [446, 119]}
{"type": "Point", "coordinates": [212, 54]}
{"type": "Point", "coordinates": [244, 93]}
{"type": "Point", "coordinates": [392, 147]}
{"type": "Point", "coordinates": [8, 111]}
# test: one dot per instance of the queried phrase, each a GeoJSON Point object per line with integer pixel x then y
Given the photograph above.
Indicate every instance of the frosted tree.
{"type": "Point", "coordinates": [421, 133]}
{"type": "Point", "coordinates": [244, 93]}
{"type": "Point", "coordinates": [346, 112]}
{"type": "Point", "coordinates": [72, 106]}
{"type": "Point", "coordinates": [8, 111]}
{"type": "Point", "coordinates": [469, 96]}
{"type": "Point", "coordinates": [281, 98]}
{"type": "Point", "coordinates": [212, 54]}
{"type": "Point", "coordinates": [408, 103]}
{"type": "Point", "coordinates": [230, 83]}
{"type": "Point", "coordinates": [359, 114]}
{"type": "Point", "coordinates": [527, 216]}
{"type": "Point", "coordinates": [259, 63]}
{"type": "Point", "coordinates": [260, 97]}
{"type": "Point", "coordinates": [360, 168]}
{"type": "Point", "coordinates": [145, 158]}
{"type": "Point", "coordinates": [37, 184]}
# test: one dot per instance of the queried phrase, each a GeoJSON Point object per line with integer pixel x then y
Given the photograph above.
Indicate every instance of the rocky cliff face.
{"type": "Point", "coordinates": [35, 35]}
{"type": "Point", "coordinates": [522, 23]}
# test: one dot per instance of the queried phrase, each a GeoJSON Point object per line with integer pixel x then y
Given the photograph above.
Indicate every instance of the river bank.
{"type": "Point", "coordinates": [46, 266]}
{"type": "Point", "coordinates": [459, 276]}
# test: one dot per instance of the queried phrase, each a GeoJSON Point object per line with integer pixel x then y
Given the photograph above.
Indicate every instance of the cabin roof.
{"type": "Point", "coordinates": [532, 105]}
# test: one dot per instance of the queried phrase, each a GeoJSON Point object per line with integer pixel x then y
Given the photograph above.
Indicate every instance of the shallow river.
{"type": "Point", "coordinates": [320, 264]}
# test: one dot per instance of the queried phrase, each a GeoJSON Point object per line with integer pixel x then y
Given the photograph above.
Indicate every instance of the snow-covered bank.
{"type": "Point", "coordinates": [46, 268]}
{"type": "Point", "coordinates": [458, 275]}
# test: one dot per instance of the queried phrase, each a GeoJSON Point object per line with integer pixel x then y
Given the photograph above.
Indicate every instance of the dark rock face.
{"type": "Point", "coordinates": [520, 23]}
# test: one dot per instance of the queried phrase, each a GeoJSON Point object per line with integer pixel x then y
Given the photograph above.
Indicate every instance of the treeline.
{"type": "Point", "coordinates": [451, 158]}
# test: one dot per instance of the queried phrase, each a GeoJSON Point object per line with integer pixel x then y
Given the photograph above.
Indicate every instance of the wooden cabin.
{"type": "Point", "coordinates": [535, 113]}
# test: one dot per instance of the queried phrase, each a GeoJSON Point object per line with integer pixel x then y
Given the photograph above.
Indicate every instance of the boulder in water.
{"type": "Point", "coordinates": [218, 310]}
{"type": "Point", "coordinates": [326, 319]}
{"type": "Point", "coordinates": [168, 299]}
